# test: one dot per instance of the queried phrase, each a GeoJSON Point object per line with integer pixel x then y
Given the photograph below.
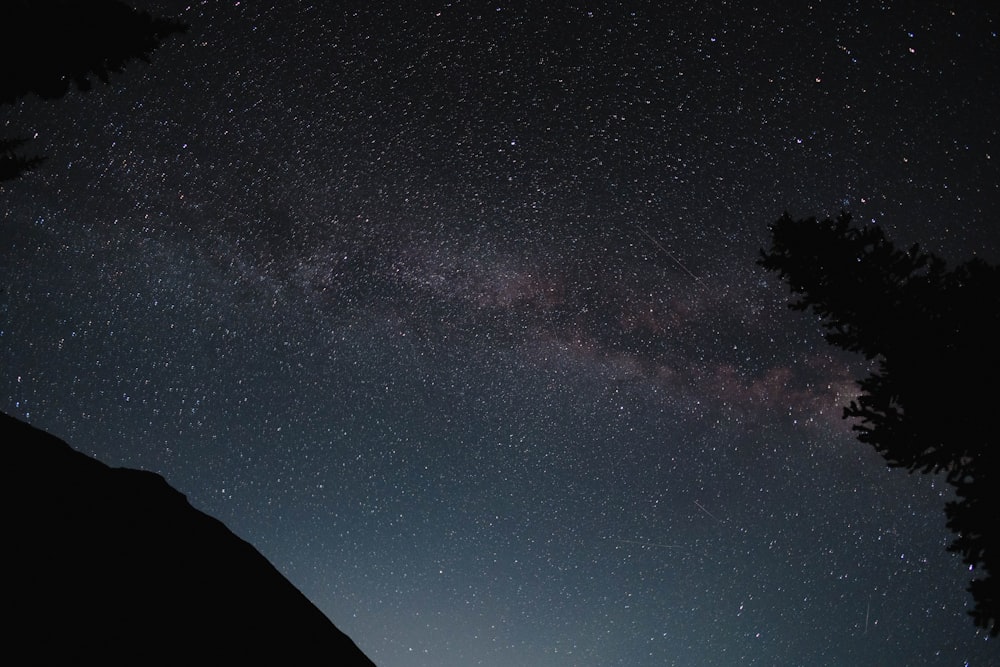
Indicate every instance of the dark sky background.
{"type": "Point", "coordinates": [452, 311]}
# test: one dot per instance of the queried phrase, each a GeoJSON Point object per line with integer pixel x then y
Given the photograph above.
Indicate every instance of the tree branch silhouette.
{"type": "Point", "coordinates": [49, 46]}
{"type": "Point", "coordinates": [935, 335]}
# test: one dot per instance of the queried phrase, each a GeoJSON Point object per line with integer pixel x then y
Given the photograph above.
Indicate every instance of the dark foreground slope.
{"type": "Point", "coordinates": [113, 566]}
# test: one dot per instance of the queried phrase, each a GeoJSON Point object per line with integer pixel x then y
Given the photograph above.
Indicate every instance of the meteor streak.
{"type": "Point", "coordinates": [669, 254]}
{"type": "Point", "coordinates": [702, 508]}
{"type": "Point", "coordinates": [652, 544]}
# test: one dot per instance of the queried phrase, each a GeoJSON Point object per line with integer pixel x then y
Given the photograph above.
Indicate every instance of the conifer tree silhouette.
{"type": "Point", "coordinates": [48, 46]}
{"type": "Point", "coordinates": [12, 162]}
{"type": "Point", "coordinates": [934, 334]}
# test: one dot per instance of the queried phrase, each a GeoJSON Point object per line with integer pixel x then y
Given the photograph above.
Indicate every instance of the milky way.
{"type": "Point", "coordinates": [452, 311]}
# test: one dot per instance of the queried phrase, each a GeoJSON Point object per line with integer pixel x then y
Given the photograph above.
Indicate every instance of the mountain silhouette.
{"type": "Point", "coordinates": [112, 566]}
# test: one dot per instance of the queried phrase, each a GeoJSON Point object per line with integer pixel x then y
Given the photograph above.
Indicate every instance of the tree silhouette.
{"type": "Point", "coordinates": [12, 162]}
{"type": "Point", "coordinates": [935, 335]}
{"type": "Point", "coordinates": [47, 46]}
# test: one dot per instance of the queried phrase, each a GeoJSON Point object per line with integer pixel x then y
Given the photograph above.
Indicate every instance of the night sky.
{"type": "Point", "coordinates": [452, 312]}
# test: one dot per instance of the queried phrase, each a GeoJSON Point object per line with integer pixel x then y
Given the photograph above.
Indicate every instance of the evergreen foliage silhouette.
{"type": "Point", "coordinates": [934, 334]}
{"type": "Point", "coordinates": [12, 162]}
{"type": "Point", "coordinates": [49, 46]}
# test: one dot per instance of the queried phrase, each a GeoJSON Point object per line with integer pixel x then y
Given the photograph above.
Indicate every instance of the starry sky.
{"type": "Point", "coordinates": [450, 309]}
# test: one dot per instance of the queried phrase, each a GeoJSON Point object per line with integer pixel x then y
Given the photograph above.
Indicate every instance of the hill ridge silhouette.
{"type": "Point", "coordinates": [114, 566]}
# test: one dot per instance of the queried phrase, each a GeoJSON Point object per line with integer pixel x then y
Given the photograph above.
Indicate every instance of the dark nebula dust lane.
{"type": "Point", "coordinates": [451, 310]}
